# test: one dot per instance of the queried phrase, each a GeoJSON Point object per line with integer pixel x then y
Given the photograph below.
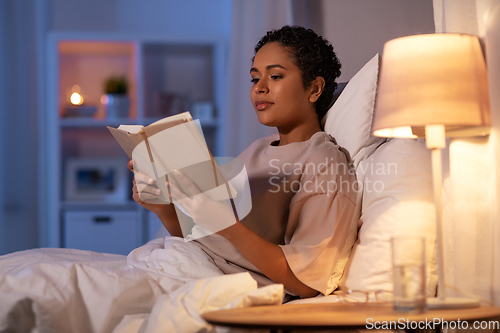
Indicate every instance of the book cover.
{"type": "Point", "coordinates": [174, 143]}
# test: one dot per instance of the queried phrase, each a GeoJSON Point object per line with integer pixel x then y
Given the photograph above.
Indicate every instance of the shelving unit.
{"type": "Point", "coordinates": [165, 75]}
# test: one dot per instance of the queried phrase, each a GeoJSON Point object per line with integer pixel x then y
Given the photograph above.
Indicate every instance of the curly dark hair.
{"type": "Point", "coordinates": [313, 55]}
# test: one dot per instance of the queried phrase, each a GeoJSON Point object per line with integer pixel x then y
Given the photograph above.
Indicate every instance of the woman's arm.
{"type": "Point", "coordinates": [267, 257]}
{"type": "Point", "coordinates": [168, 218]}
{"type": "Point", "coordinates": [219, 217]}
{"type": "Point", "coordinates": [143, 191]}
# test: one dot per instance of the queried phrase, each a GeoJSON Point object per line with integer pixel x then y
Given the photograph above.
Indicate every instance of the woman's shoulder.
{"type": "Point", "coordinates": [323, 144]}
{"type": "Point", "coordinates": [324, 153]}
{"type": "Point", "coordinates": [316, 148]}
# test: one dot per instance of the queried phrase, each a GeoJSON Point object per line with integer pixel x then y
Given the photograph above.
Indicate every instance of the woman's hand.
{"type": "Point", "coordinates": [144, 191]}
{"type": "Point", "coordinates": [146, 194]}
{"type": "Point", "coordinates": [208, 213]}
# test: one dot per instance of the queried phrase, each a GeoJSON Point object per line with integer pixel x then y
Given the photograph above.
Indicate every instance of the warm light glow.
{"type": "Point", "coordinates": [396, 132]}
{"type": "Point", "coordinates": [75, 88]}
{"type": "Point", "coordinates": [432, 79]}
{"type": "Point", "coordinates": [76, 99]}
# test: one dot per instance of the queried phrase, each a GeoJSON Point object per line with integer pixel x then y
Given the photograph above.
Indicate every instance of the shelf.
{"type": "Point", "coordinates": [94, 122]}
{"type": "Point", "coordinates": [175, 75]}
{"type": "Point", "coordinates": [92, 205]}
{"type": "Point", "coordinates": [165, 75]}
{"type": "Point", "coordinates": [88, 64]}
{"type": "Point", "coordinates": [80, 48]}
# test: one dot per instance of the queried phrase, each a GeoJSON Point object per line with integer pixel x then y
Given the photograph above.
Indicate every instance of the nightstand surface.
{"type": "Point", "coordinates": [336, 315]}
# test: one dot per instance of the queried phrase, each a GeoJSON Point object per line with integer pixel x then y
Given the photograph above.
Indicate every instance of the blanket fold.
{"type": "Point", "coordinates": [162, 286]}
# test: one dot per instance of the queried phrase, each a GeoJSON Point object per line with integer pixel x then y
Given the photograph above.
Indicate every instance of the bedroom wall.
{"type": "Point", "coordinates": [3, 43]}
{"type": "Point", "coordinates": [358, 29]}
{"type": "Point", "coordinates": [471, 186]}
{"type": "Point", "coordinates": [24, 26]}
{"type": "Point", "coordinates": [187, 17]}
{"type": "Point", "coordinates": [489, 27]}
{"type": "Point", "coordinates": [18, 124]}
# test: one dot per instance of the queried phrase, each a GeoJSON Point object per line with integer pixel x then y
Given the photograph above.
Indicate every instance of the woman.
{"type": "Point", "coordinates": [300, 229]}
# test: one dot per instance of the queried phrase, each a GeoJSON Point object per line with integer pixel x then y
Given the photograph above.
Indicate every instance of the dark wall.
{"type": "Point", "coordinates": [18, 129]}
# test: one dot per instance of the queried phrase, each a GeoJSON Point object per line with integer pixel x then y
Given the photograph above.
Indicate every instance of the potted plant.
{"type": "Point", "coordinates": [117, 101]}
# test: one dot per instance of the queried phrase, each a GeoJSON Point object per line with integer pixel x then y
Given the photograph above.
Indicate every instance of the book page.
{"type": "Point", "coordinates": [143, 163]}
{"type": "Point", "coordinates": [131, 128]}
{"type": "Point", "coordinates": [186, 116]}
{"type": "Point", "coordinates": [182, 147]}
{"type": "Point", "coordinates": [178, 147]}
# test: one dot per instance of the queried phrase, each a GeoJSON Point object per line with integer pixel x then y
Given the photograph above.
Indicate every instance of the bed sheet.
{"type": "Point", "coordinates": [163, 286]}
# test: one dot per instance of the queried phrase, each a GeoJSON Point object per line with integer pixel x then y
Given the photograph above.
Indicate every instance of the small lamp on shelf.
{"type": "Point", "coordinates": [77, 108]}
{"type": "Point", "coordinates": [433, 86]}
{"type": "Point", "coordinates": [76, 98]}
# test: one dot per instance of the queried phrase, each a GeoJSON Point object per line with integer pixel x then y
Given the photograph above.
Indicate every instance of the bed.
{"type": "Point", "coordinates": [155, 289]}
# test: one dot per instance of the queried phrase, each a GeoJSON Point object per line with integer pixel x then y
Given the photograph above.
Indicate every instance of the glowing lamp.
{"type": "Point", "coordinates": [76, 107]}
{"type": "Point", "coordinates": [76, 99]}
{"type": "Point", "coordinates": [433, 86]}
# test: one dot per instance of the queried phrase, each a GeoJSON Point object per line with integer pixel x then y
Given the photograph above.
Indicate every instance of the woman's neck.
{"type": "Point", "coordinates": [298, 134]}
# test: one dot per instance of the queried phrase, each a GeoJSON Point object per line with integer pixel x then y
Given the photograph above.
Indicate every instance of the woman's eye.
{"type": "Point", "coordinates": [276, 77]}
{"type": "Point", "coordinates": [254, 80]}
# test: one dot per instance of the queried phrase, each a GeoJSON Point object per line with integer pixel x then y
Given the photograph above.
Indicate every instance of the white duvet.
{"type": "Point", "coordinates": [163, 286]}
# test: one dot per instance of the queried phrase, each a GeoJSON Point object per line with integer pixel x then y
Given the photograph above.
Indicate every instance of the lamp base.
{"type": "Point", "coordinates": [452, 303]}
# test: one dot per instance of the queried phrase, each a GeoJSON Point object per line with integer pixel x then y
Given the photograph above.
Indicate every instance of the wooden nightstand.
{"type": "Point", "coordinates": [333, 316]}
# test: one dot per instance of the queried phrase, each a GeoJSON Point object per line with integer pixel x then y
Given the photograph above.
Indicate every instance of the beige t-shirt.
{"type": "Point", "coordinates": [303, 199]}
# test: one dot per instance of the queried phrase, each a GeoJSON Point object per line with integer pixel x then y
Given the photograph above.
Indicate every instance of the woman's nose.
{"type": "Point", "coordinates": [261, 86]}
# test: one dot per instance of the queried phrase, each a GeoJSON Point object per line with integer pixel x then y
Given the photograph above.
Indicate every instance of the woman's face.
{"type": "Point", "coordinates": [278, 94]}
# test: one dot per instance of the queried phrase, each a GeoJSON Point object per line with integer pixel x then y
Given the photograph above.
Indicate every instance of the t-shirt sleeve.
{"type": "Point", "coordinates": [320, 233]}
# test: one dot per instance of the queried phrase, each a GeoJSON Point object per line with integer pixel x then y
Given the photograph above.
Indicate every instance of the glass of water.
{"type": "Point", "coordinates": [408, 262]}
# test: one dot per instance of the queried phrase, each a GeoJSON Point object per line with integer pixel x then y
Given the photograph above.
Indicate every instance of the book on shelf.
{"type": "Point", "coordinates": [174, 143]}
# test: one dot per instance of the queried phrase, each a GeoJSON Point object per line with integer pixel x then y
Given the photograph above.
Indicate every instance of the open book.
{"type": "Point", "coordinates": [174, 143]}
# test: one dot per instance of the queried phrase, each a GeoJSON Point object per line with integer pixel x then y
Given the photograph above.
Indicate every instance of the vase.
{"type": "Point", "coordinates": [117, 106]}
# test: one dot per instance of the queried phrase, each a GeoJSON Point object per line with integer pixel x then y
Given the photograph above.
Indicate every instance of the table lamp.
{"type": "Point", "coordinates": [433, 86]}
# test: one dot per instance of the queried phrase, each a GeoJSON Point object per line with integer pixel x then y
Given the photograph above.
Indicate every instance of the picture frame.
{"type": "Point", "coordinates": [102, 180]}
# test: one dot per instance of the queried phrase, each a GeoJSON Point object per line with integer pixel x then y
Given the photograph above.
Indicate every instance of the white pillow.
{"type": "Point", "coordinates": [397, 194]}
{"type": "Point", "coordinates": [349, 120]}
{"type": "Point", "coordinates": [397, 200]}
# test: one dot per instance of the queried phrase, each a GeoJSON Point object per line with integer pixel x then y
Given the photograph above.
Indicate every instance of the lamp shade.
{"type": "Point", "coordinates": [435, 79]}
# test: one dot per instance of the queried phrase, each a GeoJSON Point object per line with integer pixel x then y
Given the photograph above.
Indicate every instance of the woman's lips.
{"type": "Point", "coordinates": [262, 105]}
